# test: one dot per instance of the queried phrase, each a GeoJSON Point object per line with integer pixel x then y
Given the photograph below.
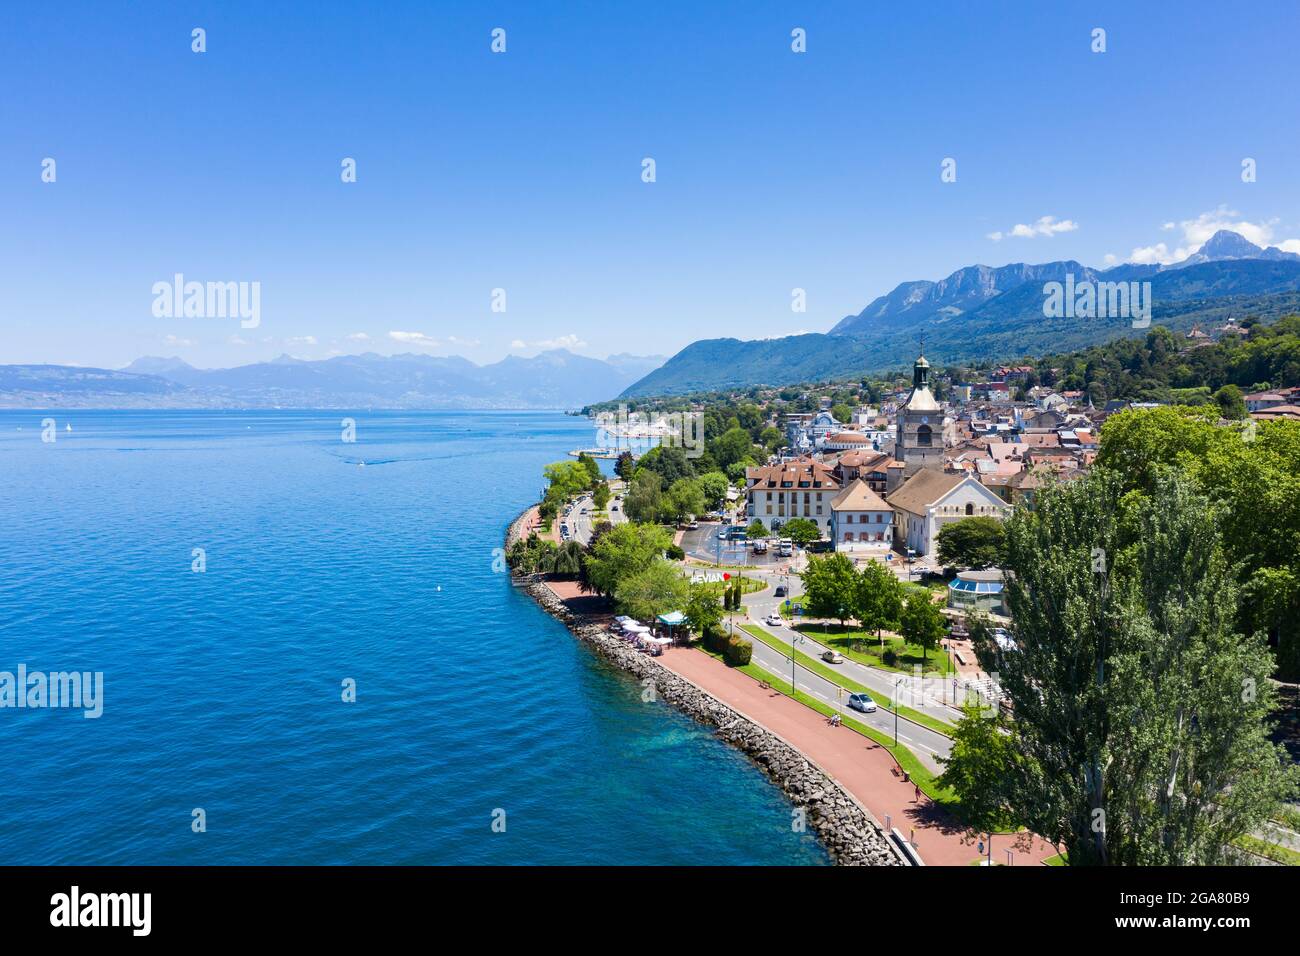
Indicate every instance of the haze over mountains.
{"type": "Point", "coordinates": [552, 379]}
{"type": "Point", "coordinates": [978, 312]}
{"type": "Point", "coordinates": [983, 312]}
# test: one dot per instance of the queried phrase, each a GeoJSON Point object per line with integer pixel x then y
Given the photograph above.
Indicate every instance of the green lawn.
{"type": "Point", "coordinates": [1270, 851]}
{"type": "Point", "coordinates": [1058, 860]}
{"type": "Point", "coordinates": [864, 647]}
{"type": "Point", "coordinates": [835, 677]}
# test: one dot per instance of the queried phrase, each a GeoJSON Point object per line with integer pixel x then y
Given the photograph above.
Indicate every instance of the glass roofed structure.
{"type": "Point", "coordinates": [977, 591]}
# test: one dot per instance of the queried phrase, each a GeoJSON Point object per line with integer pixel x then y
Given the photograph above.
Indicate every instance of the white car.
{"type": "Point", "coordinates": [863, 703]}
{"type": "Point", "coordinates": [773, 620]}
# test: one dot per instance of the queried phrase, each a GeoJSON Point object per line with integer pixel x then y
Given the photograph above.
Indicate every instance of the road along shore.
{"type": "Point", "coordinates": [851, 835]}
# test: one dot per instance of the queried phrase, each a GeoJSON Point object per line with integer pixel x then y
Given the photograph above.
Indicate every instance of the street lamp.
{"type": "Point", "coordinates": [793, 647]}
{"type": "Point", "coordinates": [897, 684]}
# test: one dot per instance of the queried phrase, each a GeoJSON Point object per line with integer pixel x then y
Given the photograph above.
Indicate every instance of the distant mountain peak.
{"type": "Point", "coordinates": [154, 365]}
{"type": "Point", "coordinates": [1226, 244]}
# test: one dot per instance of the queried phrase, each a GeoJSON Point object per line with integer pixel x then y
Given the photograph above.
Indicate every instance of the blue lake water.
{"type": "Point", "coordinates": [222, 689]}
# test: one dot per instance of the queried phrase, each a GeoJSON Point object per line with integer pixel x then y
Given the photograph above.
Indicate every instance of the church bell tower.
{"type": "Point", "coordinates": [919, 438]}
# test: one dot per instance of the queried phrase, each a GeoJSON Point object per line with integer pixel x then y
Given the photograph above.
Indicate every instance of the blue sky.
{"type": "Point", "coordinates": [522, 170]}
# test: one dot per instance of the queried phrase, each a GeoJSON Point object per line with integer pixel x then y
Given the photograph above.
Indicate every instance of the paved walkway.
{"type": "Point", "coordinates": [862, 767]}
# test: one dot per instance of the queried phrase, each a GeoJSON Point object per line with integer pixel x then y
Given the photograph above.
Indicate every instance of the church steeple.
{"type": "Point", "coordinates": [919, 427]}
{"type": "Point", "coordinates": [921, 373]}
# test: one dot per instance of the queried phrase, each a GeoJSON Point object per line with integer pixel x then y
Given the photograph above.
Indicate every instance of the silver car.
{"type": "Point", "coordinates": [862, 702]}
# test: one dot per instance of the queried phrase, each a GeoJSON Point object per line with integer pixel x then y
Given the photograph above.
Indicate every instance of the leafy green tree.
{"type": "Point", "coordinates": [532, 556]}
{"type": "Point", "coordinates": [685, 497]}
{"type": "Point", "coordinates": [624, 550]}
{"type": "Point", "coordinates": [921, 623]}
{"type": "Point", "coordinates": [644, 500]}
{"type": "Point", "coordinates": [655, 589]}
{"type": "Point", "coordinates": [733, 446]}
{"type": "Point", "coordinates": [1232, 404]}
{"type": "Point", "coordinates": [702, 608]}
{"type": "Point", "coordinates": [842, 413]}
{"type": "Point", "coordinates": [878, 598]}
{"type": "Point", "coordinates": [600, 497]}
{"type": "Point", "coordinates": [567, 479]}
{"type": "Point", "coordinates": [625, 466]}
{"type": "Point", "coordinates": [772, 439]}
{"type": "Point", "coordinates": [669, 462]}
{"type": "Point", "coordinates": [974, 542]}
{"type": "Point", "coordinates": [982, 757]}
{"type": "Point", "coordinates": [592, 466]}
{"type": "Point", "coordinates": [756, 529]}
{"type": "Point", "coordinates": [567, 562]}
{"type": "Point", "coordinates": [1255, 474]}
{"type": "Point", "coordinates": [830, 586]}
{"type": "Point", "coordinates": [801, 531]}
{"type": "Point", "coordinates": [714, 484]}
{"type": "Point", "coordinates": [736, 470]}
{"type": "Point", "coordinates": [1141, 715]}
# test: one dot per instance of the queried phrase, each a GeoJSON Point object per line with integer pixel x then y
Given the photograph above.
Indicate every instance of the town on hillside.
{"type": "Point", "coordinates": [909, 559]}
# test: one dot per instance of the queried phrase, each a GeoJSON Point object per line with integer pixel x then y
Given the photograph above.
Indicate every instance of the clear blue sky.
{"type": "Point", "coordinates": [523, 170]}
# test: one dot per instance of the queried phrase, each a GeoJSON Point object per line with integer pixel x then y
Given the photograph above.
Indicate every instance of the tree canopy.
{"type": "Point", "coordinates": [974, 542]}
{"type": "Point", "coordinates": [1141, 713]}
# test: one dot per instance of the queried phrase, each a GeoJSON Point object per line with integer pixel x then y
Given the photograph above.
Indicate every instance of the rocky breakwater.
{"type": "Point", "coordinates": [848, 832]}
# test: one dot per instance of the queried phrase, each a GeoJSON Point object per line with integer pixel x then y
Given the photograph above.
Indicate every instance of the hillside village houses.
{"type": "Point", "coordinates": [891, 478]}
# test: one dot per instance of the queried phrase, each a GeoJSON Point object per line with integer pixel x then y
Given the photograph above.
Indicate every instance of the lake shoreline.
{"type": "Point", "coordinates": [849, 833]}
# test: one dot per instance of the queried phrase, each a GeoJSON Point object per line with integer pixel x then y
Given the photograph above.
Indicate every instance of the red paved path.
{"type": "Point", "coordinates": [861, 766]}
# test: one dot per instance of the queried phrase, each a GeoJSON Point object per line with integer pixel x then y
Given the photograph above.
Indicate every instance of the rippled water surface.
{"type": "Point", "coordinates": [222, 689]}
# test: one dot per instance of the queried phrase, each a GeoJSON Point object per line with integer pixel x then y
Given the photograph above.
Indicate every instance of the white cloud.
{"type": "Point", "coordinates": [237, 340]}
{"type": "Point", "coordinates": [563, 342]}
{"type": "Point", "coordinates": [1044, 226]}
{"type": "Point", "coordinates": [457, 340]}
{"type": "Point", "coordinates": [414, 338]}
{"type": "Point", "coordinates": [301, 340]}
{"type": "Point", "coordinates": [359, 337]}
{"type": "Point", "coordinates": [1111, 258]}
{"type": "Point", "coordinates": [177, 342]}
{"type": "Point", "coordinates": [1196, 232]}
{"type": "Point", "coordinates": [1159, 253]}
{"type": "Point", "coordinates": [518, 344]}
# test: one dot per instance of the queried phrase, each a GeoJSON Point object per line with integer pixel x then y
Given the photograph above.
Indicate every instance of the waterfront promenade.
{"type": "Point", "coordinates": [861, 766]}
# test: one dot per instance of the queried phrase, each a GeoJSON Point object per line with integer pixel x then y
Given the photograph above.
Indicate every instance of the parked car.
{"type": "Point", "coordinates": [780, 590]}
{"type": "Point", "coordinates": [862, 702]}
{"type": "Point", "coordinates": [833, 657]}
{"type": "Point", "coordinates": [773, 620]}
{"type": "Point", "coordinates": [693, 526]}
{"type": "Point", "coordinates": [613, 507]}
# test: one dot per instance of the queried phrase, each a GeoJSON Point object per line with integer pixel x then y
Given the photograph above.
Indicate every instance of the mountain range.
{"type": "Point", "coordinates": [552, 379]}
{"type": "Point", "coordinates": [983, 312]}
